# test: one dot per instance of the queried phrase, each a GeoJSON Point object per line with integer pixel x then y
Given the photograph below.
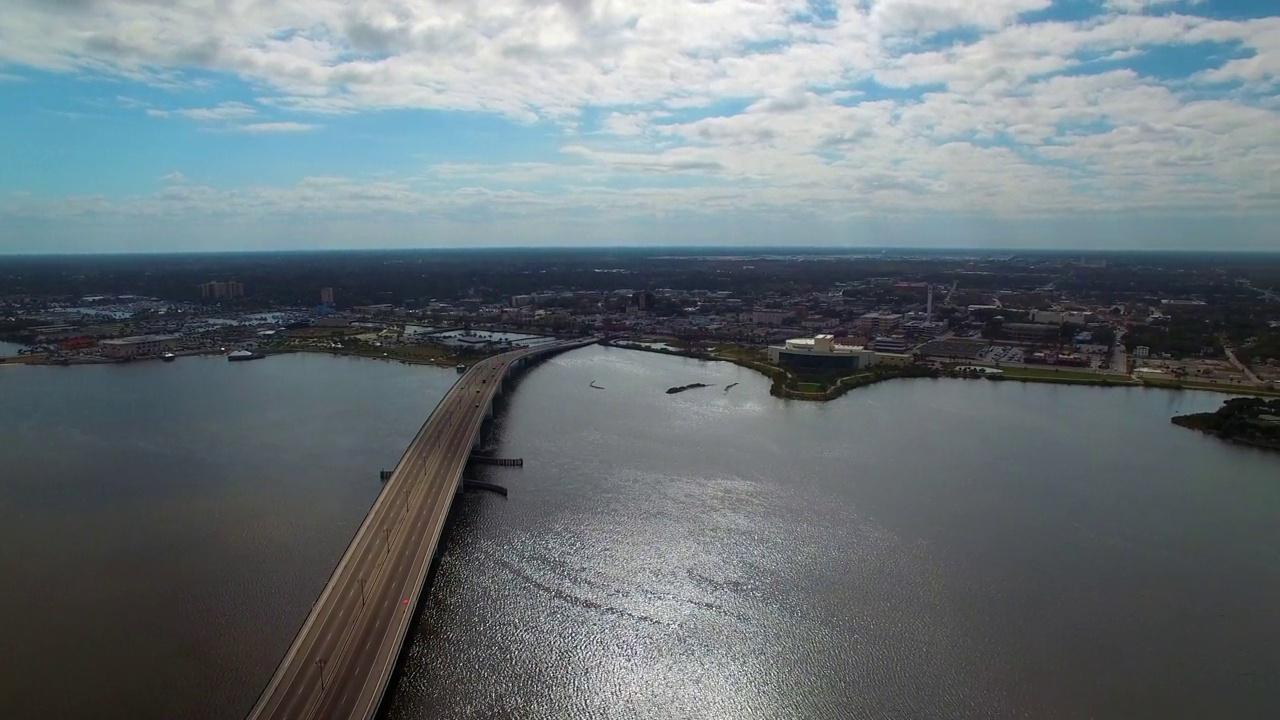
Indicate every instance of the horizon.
{"type": "Point", "coordinates": [1003, 125]}
{"type": "Point", "coordinates": [692, 251]}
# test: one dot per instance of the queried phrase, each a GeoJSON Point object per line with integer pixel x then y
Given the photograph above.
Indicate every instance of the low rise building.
{"type": "Point", "coordinates": [771, 317]}
{"type": "Point", "coordinates": [823, 354]}
{"type": "Point", "coordinates": [891, 344]}
{"type": "Point", "coordinates": [138, 346]}
{"type": "Point", "coordinates": [879, 323]}
{"type": "Point", "coordinates": [1030, 332]}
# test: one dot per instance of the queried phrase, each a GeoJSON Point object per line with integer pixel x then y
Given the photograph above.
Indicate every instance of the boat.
{"type": "Point", "coordinates": [241, 355]}
{"type": "Point", "coordinates": [461, 368]}
{"type": "Point", "coordinates": [168, 357]}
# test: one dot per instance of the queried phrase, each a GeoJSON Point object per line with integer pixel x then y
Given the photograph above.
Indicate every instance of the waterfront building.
{"type": "Point", "coordinates": [823, 354]}
{"type": "Point", "coordinates": [138, 346]}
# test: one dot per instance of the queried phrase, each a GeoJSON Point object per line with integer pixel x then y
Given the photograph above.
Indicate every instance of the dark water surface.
{"type": "Point", "coordinates": [916, 549]}
{"type": "Point", "coordinates": [165, 527]}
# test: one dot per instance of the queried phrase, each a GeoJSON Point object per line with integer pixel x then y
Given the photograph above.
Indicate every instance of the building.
{"type": "Point", "coordinates": [138, 346]}
{"type": "Point", "coordinates": [1030, 332]}
{"type": "Point", "coordinates": [817, 322]}
{"type": "Point", "coordinates": [1055, 317]}
{"type": "Point", "coordinates": [326, 296]}
{"type": "Point", "coordinates": [643, 299]}
{"type": "Point", "coordinates": [890, 344]}
{"type": "Point", "coordinates": [217, 290]}
{"type": "Point", "coordinates": [879, 323]}
{"type": "Point", "coordinates": [43, 333]}
{"type": "Point", "coordinates": [820, 353]}
{"type": "Point", "coordinates": [823, 354]}
{"type": "Point", "coordinates": [771, 317]}
{"type": "Point", "coordinates": [379, 309]}
{"type": "Point", "coordinates": [1142, 351]}
{"type": "Point", "coordinates": [923, 328]}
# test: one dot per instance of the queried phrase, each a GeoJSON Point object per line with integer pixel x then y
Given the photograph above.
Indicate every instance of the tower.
{"type": "Point", "coordinates": [929, 306]}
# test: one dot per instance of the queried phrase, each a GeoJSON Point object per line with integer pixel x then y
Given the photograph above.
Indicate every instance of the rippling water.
{"type": "Point", "coordinates": [915, 549]}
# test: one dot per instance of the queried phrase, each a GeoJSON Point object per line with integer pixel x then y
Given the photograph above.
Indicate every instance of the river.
{"type": "Point", "coordinates": [915, 549]}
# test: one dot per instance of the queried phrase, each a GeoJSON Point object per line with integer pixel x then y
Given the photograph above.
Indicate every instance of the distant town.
{"type": "Point", "coordinates": [818, 323]}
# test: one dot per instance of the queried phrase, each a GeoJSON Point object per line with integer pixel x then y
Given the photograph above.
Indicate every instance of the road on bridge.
{"type": "Point", "coordinates": [342, 659]}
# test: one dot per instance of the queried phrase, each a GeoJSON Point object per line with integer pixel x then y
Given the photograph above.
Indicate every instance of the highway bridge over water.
{"type": "Point", "coordinates": [342, 659]}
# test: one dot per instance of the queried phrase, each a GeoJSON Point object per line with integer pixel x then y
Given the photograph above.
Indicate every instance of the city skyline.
{"type": "Point", "coordinates": [1096, 124]}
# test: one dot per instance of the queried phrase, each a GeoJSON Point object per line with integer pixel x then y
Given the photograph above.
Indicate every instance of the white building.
{"type": "Point", "coordinates": [822, 353]}
{"type": "Point", "coordinates": [770, 317]}
{"type": "Point", "coordinates": [1055, 317]}
{"type": "Point", "coordinates": [138, 346]}
{"type": "Point", "coordinates": [1142, 351]}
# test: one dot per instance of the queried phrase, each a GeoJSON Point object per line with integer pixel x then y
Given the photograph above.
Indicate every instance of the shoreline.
{"type": "Point", "coordinates": [780, 377]}
{"type": "Point", "coordinates": [852, 382]}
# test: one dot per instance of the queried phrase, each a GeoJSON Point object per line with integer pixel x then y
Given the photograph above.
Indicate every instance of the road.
{"type": "Point", "coordinates": [1239, 365]}
{"type": "Point", "coordinates": [342, 658]}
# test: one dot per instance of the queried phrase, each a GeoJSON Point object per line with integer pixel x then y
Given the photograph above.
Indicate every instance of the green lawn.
{"type": "Point", "coordinates": [1050, 373]}
{"type": "Point", "coordinates": [1215, 387]}
{"type": "Point", "coordinates": [809, 388]}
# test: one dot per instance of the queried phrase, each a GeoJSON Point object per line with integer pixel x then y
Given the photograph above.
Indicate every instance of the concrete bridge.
{"type": "Point", "coordinates": [343, 657]}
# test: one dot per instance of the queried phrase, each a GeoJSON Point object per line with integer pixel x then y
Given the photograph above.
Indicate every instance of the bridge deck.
{"type": "Point", "coordinates": [342, 659]}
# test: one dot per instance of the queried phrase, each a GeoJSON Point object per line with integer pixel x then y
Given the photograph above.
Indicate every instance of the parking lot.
{"type": "Point", "coordinates": [1003, 354]}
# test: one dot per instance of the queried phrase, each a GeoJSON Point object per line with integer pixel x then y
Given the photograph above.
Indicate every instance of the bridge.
{"type": "Point", "coordinates": [342, 659]}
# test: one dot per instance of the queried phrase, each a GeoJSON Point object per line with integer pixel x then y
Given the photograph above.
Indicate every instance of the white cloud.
{"type": "Point", "coordinates": [220, 112]}
{"type": "Point", "coordinates": [738, 102]}
{"type": "Point", "coordinates": [1139, 6]}
{"type": "Point", "coordinates": [275, 127]}
{"type": "Point", "coordinates": [927, 16]}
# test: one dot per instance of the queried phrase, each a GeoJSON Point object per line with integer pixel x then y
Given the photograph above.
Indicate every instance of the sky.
{"type": "Point", "coordinates": [191, 125]}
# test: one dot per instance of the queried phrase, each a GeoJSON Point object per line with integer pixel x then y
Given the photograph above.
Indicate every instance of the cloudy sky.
{"type": "Point", "coordinates": [262, 124]}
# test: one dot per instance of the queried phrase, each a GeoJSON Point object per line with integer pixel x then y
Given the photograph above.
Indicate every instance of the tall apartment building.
{"type": "Point", "coordinates": [217, 289]}
{"type": "Point", "coordinates": [326, 296]}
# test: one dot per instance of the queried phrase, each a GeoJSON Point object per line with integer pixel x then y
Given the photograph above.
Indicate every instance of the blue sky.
{"type": "Point", "coordinates": [186, 125]}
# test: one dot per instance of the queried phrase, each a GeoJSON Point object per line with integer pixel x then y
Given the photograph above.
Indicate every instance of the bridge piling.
{"type": "Point", "coordinates": [500, 462]}
{"type": "Point", "coordinates": [473, 485]}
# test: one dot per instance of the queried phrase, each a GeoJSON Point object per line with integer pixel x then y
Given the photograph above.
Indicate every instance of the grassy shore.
{"type": "Point", "coordinates": [1062, 377]}
{"type": "Point", "coordinates": [412, 355]}
{"type": "Point", "coordinates": [1211, 387]}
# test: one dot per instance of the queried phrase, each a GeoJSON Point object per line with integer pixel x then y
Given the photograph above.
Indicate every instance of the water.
{"type": "Point", "coordinates": [915, 549]}
{"type": "Point", "coordinates": [8, 349]}
{"type": "Point", "coordinates": [165, 527]}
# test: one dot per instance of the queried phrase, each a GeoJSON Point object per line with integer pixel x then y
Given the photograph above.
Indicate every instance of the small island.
{"type": "Point", "coordinates": [682, 388]}
{"type": "Point", "coordinates": [1247, 421]}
